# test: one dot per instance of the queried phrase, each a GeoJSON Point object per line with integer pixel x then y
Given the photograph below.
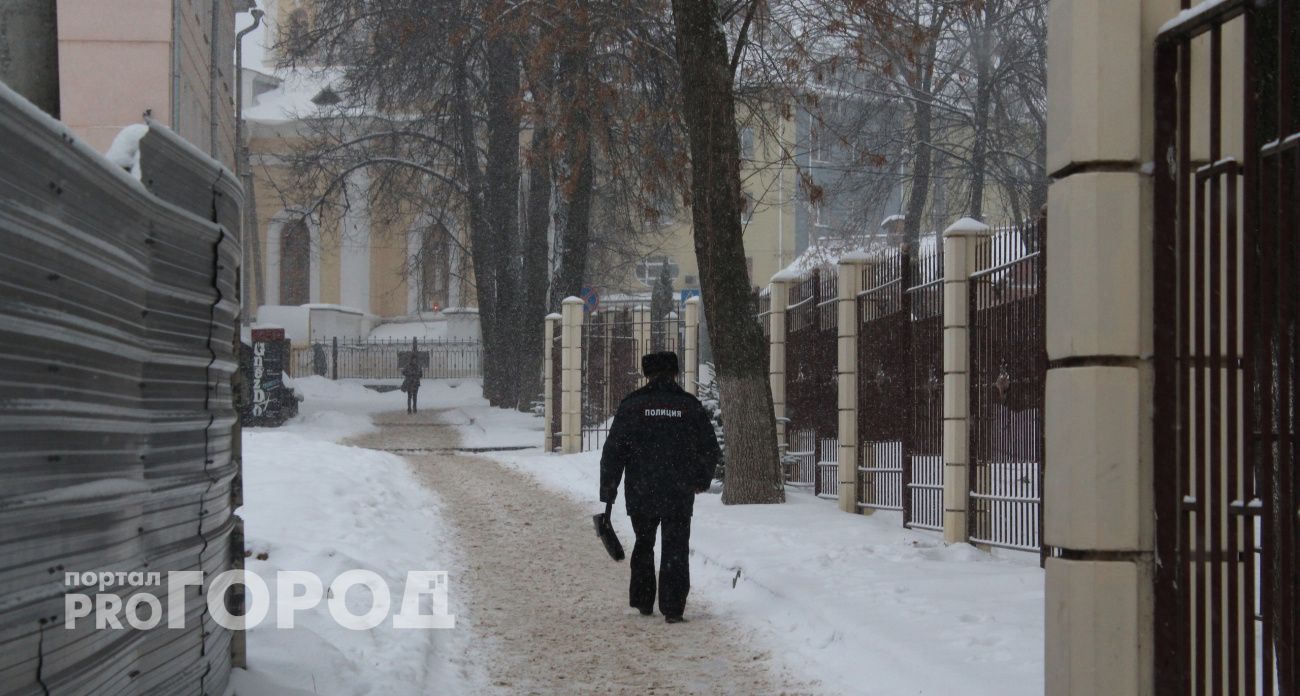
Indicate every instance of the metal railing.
{"type": "Point", "coordinates": [382, 359]}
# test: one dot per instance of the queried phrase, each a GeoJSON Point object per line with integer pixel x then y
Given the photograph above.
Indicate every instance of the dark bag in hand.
{"type": "Point", "coordinates": [605, 531]}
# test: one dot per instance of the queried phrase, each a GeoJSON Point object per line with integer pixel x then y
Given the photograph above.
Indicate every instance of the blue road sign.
{"type": "Point", "coordinates": [590, 299]}
{"type": "Point", "coordinates": [688, 293]}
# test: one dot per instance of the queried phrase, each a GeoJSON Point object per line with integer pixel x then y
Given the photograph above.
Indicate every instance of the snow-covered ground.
{"type": "Point", "coordinates": [313, 504]}
{"type": "Point", "coordinates": [857, 602]}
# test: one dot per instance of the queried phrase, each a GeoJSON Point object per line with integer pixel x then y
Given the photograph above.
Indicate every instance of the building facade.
{"type": "Point", "coordinates": [172, 59]}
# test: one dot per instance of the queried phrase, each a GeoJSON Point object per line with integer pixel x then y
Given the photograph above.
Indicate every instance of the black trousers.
{"type": "Point", "coordinates": [411, 395]}
{"type": "Point", "coordinates": [674, 564]}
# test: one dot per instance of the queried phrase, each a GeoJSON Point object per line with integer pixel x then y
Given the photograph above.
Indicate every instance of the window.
{"type": "Point", "coordinates": [295, 264]}
{"type": "Point", "coordinates": [820, 217]}
{"type": "Point", "coordinates": [816, 145]}
{"type": "Point", "coordinates": [747, 143]}
{"type": "Point", "coordinates": [648, 270]}
{"type": "Point", "coordinates": [747, 208]}
{"type": "Point", "coordinates": [434, 267]}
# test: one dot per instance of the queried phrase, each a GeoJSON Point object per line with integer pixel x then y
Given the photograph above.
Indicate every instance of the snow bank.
{"type": "Point", "coordinates": [312, 504]}
{"type": "Point", "coordinates": [858, 602]}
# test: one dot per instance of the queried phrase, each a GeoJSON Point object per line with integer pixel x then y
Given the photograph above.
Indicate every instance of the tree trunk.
{"type": "Point", "coordinates": [481, 242]}
{"type": "Point", "coordinates": [501, 205]}
{"type": "Point", "coordinates": [536, 269]}
{"type": "Point", "coordinates": [578, 187]}
{"type": "Point", "coordinates": [982, 54]}
{"type": "Point", "coordinates": [753, 469]}
{"type": "Point", "coordinates": [923, 161]}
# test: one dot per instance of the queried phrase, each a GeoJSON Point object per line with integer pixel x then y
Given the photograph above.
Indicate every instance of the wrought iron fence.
{"type": "Point", "coordinates": [382, 359]}
{"type": "Point", "coordinates": [923, 475]}
{"type": "Point", "coordinates": [1008, 371]}
{"type": "Point", "coordinates": [810, 370]}
{"type": "Point", "coordinates": [900, 386]}
{"type": "Point", "coordinates": [1226, 383]}
{"type": "Point", "coordinates": [884, 381]}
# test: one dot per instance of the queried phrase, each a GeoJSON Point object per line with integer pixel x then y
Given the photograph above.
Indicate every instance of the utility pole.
{"type": "Point", "coordinates": [29, 51]}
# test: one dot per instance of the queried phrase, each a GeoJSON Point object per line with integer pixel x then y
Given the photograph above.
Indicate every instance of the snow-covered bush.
{"type": "Point", "coordinates": [707, 392]}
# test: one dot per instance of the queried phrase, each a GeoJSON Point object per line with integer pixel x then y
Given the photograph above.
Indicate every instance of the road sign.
{"type": "Point", "coordinates": [688, 293]}
{"type": "Point", "coordinates": [590, 299]}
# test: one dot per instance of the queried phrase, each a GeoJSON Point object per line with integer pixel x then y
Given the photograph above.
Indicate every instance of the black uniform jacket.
{"type": "Point", "coordinates": [663, 441]}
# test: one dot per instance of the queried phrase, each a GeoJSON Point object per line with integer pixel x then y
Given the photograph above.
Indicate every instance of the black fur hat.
{"type": "Point", "coordinates": [656, 363]}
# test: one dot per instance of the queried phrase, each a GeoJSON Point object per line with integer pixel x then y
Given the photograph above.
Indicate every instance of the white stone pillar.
{"type": "Point", "coordinates": [571, 371]}
{"type": "Point", "coordinates": [850, 284]}
{"type": "Point", "coordinates": [780, 301]}
{"type": "Point", "coordinates": [691, 351]}
{"type": "Point", "coordinates": [959, 262]}
{"type": "Point", "coordinates": [548, 381]}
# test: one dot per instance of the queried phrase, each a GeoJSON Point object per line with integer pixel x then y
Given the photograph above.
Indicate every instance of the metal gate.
{"type": "Point", "coordinates": [1008, 371]}
{"type": "Point", "coordinates": [612, 346]}
{"type": "Point", "coordinates": [810, 368]}
{"type": "Point", "coordinates": [1227, 276]}
{"type": "Point", "coordinates": [557, 386]}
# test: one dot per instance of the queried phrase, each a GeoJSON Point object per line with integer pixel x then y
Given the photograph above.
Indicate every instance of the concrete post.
{"type": "Point", "coordinates": [691, 351]}
{"type": "Point", "coordinates": [641, 336]}
{"type": "Point", "coordinates": [548, 381]}
{"type": "Point", "coordinates": [850, 284]}
{"type": "Point", "coordinates": [571, 372]}
{"type": "Point", "coordinates": [780, 295]}
{"type": "Point", "coordinates": [1098, 510]}
{"type": "Point", "coordinates": [29, 51]}
{"type": "Point", "coordinates": [959, 261]}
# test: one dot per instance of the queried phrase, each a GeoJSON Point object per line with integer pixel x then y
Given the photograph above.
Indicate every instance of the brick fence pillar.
{"type": "Point", "coordinates": [959, 262]}
{"type": "Point", "coordinates": [1098, 513]}
{"type": "Point", "coordinates": [850, 284]}
{"type": "Point", "coordinates": [571, 376]}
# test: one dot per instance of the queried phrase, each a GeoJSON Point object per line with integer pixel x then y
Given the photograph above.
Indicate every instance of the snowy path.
{"type": "Point", "coordinates": [545, 608]}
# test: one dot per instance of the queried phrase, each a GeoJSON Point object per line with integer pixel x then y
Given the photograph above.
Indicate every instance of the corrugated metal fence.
{"type": "Point", "coordinates": [118, 440]}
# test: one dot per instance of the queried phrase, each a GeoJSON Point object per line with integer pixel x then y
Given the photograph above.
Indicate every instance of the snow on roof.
{"type": "Point", "coordinates": [428, 329]}
{"type": "Point", "coordinates": [828, 252]}
{"type": "Point", "coordinates": [292, 98]}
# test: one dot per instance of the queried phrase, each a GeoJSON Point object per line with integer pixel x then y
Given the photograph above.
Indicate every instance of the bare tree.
{"type": "Point", "coordinates": [707, 70]}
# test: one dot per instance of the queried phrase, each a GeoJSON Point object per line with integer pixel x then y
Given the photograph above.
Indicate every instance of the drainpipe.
{"type": "Point", "coordinates": [214, 80]}
{"type": "Point", "coordinates": [176, 66]}
{"type": "Point", "coordinates": [252, 276]}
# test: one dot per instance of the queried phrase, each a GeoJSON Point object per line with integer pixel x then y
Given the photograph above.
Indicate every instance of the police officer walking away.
{"type": "Point", "coordinates": [663, 442]}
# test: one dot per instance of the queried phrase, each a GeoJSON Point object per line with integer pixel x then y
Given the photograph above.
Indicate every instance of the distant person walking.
{"type": "Point", "coordinates": [411, 374]}
{"type": "Point", "coordinates": [663, 441]}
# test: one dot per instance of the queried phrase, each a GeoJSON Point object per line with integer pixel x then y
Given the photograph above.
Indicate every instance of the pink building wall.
{"type": "Point", "coordinates": [115, 63]}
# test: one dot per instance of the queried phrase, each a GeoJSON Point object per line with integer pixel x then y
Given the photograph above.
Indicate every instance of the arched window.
{"type": "Point", "coordinates": [434, 267]}
{"type": "Point", "coordinates": [295, 264]}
